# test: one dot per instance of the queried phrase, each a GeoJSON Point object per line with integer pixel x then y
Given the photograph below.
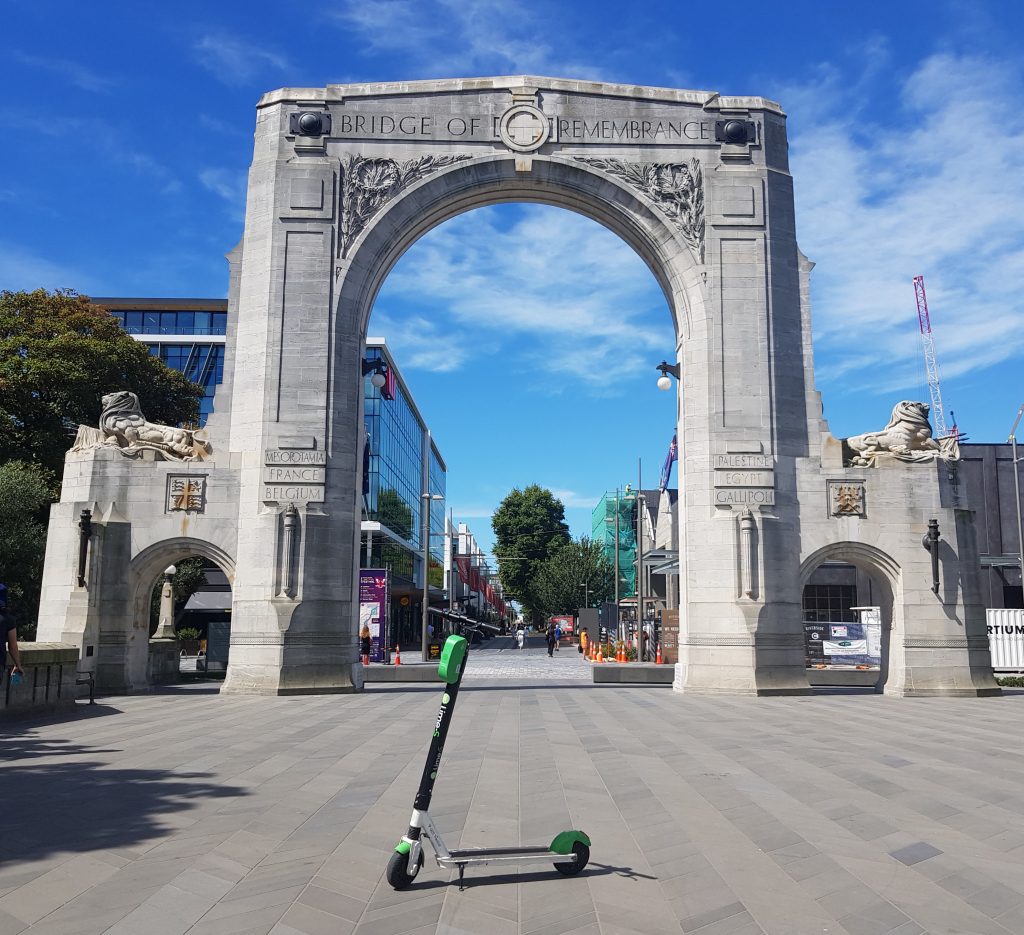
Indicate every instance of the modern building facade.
{"type": "Point", "coordinates": [477, 591]}
{"type": "Point", "coordinates": [987, 473]}
{"type": "Point", "coordinates": [186, 334]}
{"type": "Point", "coordinates": [404, 517]}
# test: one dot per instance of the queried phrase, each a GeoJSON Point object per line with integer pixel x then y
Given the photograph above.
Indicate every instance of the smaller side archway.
{"type": "Point", "coordinates": [835, 578]}
{"type": "Point", "coordinates": [144, 572]}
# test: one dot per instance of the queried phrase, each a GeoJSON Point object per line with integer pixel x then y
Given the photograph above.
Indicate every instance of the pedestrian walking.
{"type": "Point", "coordinates": [9, 629]}
{"type": "Point", "coordinates": [584, 640]}
{"type": "Point", "coordinates": [558, 636]}
{"type": "Point", "coordinates": [520, 637]}
{"type": "Point", "coordinates": [549, 638]}
{"type": "Point", "coordinates": [364, 644]}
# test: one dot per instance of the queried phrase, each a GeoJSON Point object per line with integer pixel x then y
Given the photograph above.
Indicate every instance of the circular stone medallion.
{"type": "Point", "coordinates": [523, 128]}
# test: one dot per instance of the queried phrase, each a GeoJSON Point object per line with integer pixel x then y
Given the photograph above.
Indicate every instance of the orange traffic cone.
{"type": "Point", "coordinates": [657, 658]}
{"type": "Point", "coordinates": [600, 654]}
{"type": "Point", "coordinates": [622, 653]}
{"type": "Point", "coordinates": [398, 655]}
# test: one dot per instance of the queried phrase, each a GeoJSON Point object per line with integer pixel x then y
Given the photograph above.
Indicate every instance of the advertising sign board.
{"type": "Point", "coordinates": [373, 609]}
{"type": "Point", "coordinates": [565, 623]}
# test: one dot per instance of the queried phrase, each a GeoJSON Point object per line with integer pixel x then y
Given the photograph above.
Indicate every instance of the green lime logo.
{"type": "Point", "coordinates": [445, 698]}
{"type": "Point", "coordinates": [433, 775]}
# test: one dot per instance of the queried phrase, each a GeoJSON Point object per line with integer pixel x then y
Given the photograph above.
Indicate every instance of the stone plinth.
{"type": "Point", "coordinates": [48, 683]}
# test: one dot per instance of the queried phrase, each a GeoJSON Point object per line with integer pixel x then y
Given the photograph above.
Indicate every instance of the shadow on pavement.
{"type": "Point", "coordinates": [71, 804]}
{"type": "Point", "coordinates": [472, 878]}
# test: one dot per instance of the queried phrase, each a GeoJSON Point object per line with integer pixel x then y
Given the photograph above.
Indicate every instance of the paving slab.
{"type": "Point", "coordinates": [186, 812]}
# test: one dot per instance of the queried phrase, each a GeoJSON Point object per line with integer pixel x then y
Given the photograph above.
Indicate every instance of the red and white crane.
{"type": "Point", "coordinates": [931, 366]}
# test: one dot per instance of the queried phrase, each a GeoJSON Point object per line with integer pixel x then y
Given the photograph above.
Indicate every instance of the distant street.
{"type": "Point", "coordinates": [501, 658]}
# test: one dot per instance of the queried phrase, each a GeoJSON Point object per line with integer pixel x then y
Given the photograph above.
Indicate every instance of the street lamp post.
{"type": "Point", "coordinates": [424, 639]}
{"type": "Point", "coordinates": [1016, 493]}
{"type": "Point", "coordinates": [586, 593]}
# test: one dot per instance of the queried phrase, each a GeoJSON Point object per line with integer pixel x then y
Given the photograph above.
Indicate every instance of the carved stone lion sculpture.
{"type": "Point", "coordinates": [907, 437]}
{"type": "Point", "coordinates": [123, 426]}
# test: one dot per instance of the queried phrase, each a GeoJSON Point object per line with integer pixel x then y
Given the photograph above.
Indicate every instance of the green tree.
{"type": "Point", "coordinates": [58, 356]}
{"type": "Point", "coordinates": [560, 580]}
{"type": "Point", "coordinates": [26, 491]}
{"type": "Point", "coordinates": [529, 526]}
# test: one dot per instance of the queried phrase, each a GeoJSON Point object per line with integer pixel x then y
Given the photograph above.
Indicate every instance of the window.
{"type": "Point", "coordinates": [830, 603]}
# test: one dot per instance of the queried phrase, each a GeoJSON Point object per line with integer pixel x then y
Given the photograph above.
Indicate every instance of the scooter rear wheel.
{"type": "Point", "coordinates": [582, 853]}
{"type": "Point", "coordinates": [398, 870]}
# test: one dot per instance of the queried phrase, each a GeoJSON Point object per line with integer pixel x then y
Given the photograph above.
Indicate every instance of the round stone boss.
{"type": "Point", "coordinates": [523, 128]}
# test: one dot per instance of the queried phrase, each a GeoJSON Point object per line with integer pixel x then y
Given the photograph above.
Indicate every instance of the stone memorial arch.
{"type": "Point", "coordinates": [343, 180]}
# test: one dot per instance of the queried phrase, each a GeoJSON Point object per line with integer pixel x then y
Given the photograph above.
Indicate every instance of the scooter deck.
{"type": "Point", "coordinates": [531, 851]}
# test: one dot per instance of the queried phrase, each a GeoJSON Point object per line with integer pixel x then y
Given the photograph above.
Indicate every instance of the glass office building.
{"type": "Point", "coordinates": [403, 463]}
{"type": "Point", "coordinates": [186, 334]}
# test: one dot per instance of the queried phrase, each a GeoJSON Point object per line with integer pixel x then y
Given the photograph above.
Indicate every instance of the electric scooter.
{"type": "Point", "coordinates": [569, 851]}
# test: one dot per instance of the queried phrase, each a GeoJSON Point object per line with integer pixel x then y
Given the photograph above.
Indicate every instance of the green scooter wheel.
{"type": "Point", "coordinates": [582, 853]}
{"type": "Point", "coordinates": [398, 870]}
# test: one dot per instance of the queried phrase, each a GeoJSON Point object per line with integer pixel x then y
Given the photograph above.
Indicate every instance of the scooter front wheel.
{"type": "Point", "coordinates": [582, 853]}
{"type": "Point", "coordinates": [398, 870]}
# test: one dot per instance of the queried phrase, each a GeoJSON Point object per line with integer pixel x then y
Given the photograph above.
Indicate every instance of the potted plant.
{"type": "Point", "coordinates": [188, 638]}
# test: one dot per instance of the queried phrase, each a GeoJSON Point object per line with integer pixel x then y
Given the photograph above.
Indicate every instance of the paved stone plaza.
{"type": "Point", "coordinates": [191, 812]}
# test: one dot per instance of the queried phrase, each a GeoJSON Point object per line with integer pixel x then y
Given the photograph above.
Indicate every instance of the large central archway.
{"type": "Point", "coordinates": [692, 182]}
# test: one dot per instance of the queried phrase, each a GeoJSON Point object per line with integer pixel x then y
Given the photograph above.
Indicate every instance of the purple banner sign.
{"type": "Point", "coordinates": [373, 609]}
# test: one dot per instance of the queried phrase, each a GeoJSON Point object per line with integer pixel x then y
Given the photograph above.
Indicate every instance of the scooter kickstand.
{"type": "Point", "coordinates": [462, 870]}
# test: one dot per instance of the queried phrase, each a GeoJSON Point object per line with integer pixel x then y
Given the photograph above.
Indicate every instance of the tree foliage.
{"type": "Point", "coordinates": [529, 526]}
{"type": "Point", "coordinates": [25, 494]}
{"type": "Point", "coordinates": [58, 356]}
{"type": "Point", "coordinates": [560, 580]}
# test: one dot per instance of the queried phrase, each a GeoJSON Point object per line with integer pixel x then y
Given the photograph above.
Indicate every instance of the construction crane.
{"type": "Point", "coordinates": [928, 343]}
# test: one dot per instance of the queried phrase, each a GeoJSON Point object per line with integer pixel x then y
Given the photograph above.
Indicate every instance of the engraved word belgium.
{"type": "Point", "coordinates": [343, 180]}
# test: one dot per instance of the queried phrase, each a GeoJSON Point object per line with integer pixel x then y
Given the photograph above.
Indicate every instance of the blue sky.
{"type": "Point", "coordinates": [128, 131]}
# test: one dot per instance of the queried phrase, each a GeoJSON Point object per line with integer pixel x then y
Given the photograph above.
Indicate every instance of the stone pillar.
{"type": "Point", "coordinates": [293, 619]}
{"type": "Point", "coordinates": [165, 628]}
{"type": "Point", "coordinates": [742, 427]}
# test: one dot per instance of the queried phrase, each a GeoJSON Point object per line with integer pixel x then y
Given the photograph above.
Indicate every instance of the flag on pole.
{"type": "Point", "coordinates": [666, 469]}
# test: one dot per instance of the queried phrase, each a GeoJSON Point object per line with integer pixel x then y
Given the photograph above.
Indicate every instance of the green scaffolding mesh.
{"type": "Point", "coordinates": [621, 504]}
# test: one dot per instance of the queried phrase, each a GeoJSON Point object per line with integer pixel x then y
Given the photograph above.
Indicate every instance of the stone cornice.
{"type": "Point", "coordinates": [336, 93]}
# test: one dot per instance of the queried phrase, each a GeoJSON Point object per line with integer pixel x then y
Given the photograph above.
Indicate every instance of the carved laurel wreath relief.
{"type": "Point", "coordinates": [676, 188]}
{"type": "Point", "coordinates": [369, 181]}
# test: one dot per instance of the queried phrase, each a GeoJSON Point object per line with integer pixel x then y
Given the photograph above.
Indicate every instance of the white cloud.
{"type": "Point", "coordinates": [573, 500]}
{"type": "Point", "coordinates": [78, 75]}
{"type": "Point", "coordinates": [22, 270]}
{"type": "Point", "coordinates": [553, 291]}
{"type": "Point", "coordinates": [420, 344]}
{"type": "Point", "coordinates": [466, 37]}
{"type": "Point", "coordinates": [938, 191]}
{"type": "Point", "coordinates": [235, 61]}
{"type": "Point", "coordinates": [228, 184]}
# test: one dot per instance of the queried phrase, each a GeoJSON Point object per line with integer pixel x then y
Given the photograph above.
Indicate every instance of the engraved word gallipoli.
{"type": "Point", "coordinates": [294, 476]}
